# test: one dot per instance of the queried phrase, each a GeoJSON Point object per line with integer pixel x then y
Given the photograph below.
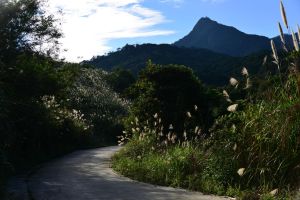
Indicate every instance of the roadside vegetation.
{"type": "Point", "coordinates": [240, 140]}
{"type": "Point", "coordinates": [246, 147]}
{"type": "Point", "coordinates": [48, 107]}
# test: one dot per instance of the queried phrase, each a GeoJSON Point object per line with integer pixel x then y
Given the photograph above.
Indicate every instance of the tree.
{"type": "Point", "coordinates": [172, 91]}
{"type": "Point", "coordinates": [25, 27]}
{"type": "Point", "coordinates": [120, 79]}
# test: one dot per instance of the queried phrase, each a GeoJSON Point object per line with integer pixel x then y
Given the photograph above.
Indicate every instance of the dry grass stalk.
{"type": "Point", "coordinates": [281, 33]}
{"type": "Point", "coordinates": [265, 60]}
{"type": "Point", "coordinates": [275, 55]}
{"type": "Point", "coordinates": [245, 71]}
{"type": "Point", "coordinates": [225, 94]}
{"type": "Point", "coordinates": [227, 97]}
{"type": "Point", "coordinates": [189, 114]}
{"type": "Point", "coordinates": [234, 147]}
{"type": "Point", "coordinates": [233, 82]}
{"type": "Point", "coordinates": [283, 15]}
{"type": "Point", "coordinates": [274, 192]}
{"type": "Point", "coordinates": [196, 107]}
{"type": "Point", "coordinates": [241, 171]}
{"type": "Point", "coordinates": [282, 37]}
{"type": "Point", "coordinates": [248, 83]}
{"type": "Point", "coordinates": [295, 41]}
{"type": "Point", "coordinates": [232, 108]}
{"type": "Point", "coordinates": [197, 129]}
{"type": "Point", "coordinates": [298, 32]}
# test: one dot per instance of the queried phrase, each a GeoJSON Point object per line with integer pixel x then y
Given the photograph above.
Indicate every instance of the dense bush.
{"type": "Point", "coordinates": [120, 80]}
{"type": "Point", "coordinates": [263, 139]}
{"type": "Point", "coordinates": [101, 106]}
{"type": "Point", "coordinates": [175, 94]}
{"type": "Point", "coordinates": [33, 111]}
{"type": "Point", "coordinates": [177, 167]}
{"type": "Point", "coordinates": [47, 107]}
{"type": "Point", "coordinates": [26, 27]}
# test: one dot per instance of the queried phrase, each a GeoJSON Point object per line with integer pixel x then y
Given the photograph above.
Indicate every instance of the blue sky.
{"type": "Point", "coordinates": [95, 27]}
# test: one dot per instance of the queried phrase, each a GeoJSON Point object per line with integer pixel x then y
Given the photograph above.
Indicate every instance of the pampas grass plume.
{"type": "Point", "coordinates": [283, 15]}
{"type": "Point", "coordinates": [196, 107]}
{"type": "Point", "coordinates": [245, 71]}
{"type": "Point", "coordinates": [265, 60]}
{"type": "Point", "coordinates": [241, 171]}
{"type": "Point", "coordinates": [295, 41]}
{"type": "Point", "coordinates": [274, 192]}
{"type": "Point", "coordinates": [274, 50]}
{"type": "Point", "coordinates": [232, 108]}
{"type": "Point", "coordinates": [233, 82]}
{"type": "Point", "coordinates": [189, 114]}
{"type": "Point", "coordinates": [281, 33]}
{"type": "Point", "coordinates": [225, 94]}
{"type": "Point", "coordinates": [298, 32]}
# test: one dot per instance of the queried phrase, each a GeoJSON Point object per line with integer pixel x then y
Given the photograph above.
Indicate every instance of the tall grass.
{"type": "Point", "coordinates": [252, 152]}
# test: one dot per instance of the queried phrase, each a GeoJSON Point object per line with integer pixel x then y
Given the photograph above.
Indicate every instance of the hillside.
{"type": "Point", "coordinates": [212, 68]}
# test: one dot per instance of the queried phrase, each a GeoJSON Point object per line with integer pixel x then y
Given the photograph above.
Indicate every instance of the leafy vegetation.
{"type": "Point", "coordinates": [120, 80]}
{"type": "Point", "coordinates": [169, 91]}
{"type": "Point", "coordinates": [101, 107]}
{"type": "Point", "coordinates": [238, 140]}
{"type": "Point", "coordinates": [47, 107]}
{"type": "Point", "coordinates": [251, 152]}
{"type": "Point", "coordinates": [25, 27]}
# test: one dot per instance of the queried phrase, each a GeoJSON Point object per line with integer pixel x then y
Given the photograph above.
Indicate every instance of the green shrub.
{"type": "Point", "coordinates": [265, 137]}
{"type": "Point", "coordinates": [120, 80]}
{"type": "Point", "coordinates": [175, 94]}
{"type": "Point", "coordinates": [103, 108]}
{"type": "Point", "coordinates": [177, 166]}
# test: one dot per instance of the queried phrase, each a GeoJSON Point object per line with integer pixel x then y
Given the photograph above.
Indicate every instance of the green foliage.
{"type": "Point", "coordinates": [37, 119]}
{"type": "Point", "coordinates": [178, 167]}
{"type": "Point", "coordinates": [120, 80]}
{"type": "Point", "coordinates": [33, 116]}
{"type": "Point", "coordinates": [252, 152]}
{"type": "Point", "coordinates": [101, 106]}
{"type": "Point", "coordinates": [31, 77]}
{"type": "Point", "coordinates": [172, 91]}
{"type": "Point", "coordinates": [211, 68]}
{"type": "Point", "coordinates": [25, 27]}
{"type": "Point", "coordinates": [49, 108]}
{"type": "Point", "coordinates": [263, 139]}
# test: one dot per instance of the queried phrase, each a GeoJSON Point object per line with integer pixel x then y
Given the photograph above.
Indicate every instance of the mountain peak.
{"type": "Point", "coordinates": [210, 34]}
{"type": "Point", "coordinates": [205, 20]}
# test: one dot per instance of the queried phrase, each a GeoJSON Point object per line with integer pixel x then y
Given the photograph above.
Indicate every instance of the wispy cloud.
{"type": "Point", "coordinates": [213, 1]}
{"type": "Point", "coordinates": [88, 25]}
{"type": "Point", "coordinates": [176, 3]}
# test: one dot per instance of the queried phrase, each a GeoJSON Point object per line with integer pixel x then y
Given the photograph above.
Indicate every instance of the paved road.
{"type": "Point", "coordinates": [86, 175]}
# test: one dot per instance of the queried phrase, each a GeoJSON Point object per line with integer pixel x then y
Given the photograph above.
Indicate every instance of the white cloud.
{"type": "Point", "coordinates": [176, 3]}
{"type": "Point", "coordinates": [88, 25]}
{"type": "Point", "coordinates": [213, 1]}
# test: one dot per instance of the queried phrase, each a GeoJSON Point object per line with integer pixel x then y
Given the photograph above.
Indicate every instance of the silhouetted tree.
{"type": "Point", "coordinates": [26, 27]}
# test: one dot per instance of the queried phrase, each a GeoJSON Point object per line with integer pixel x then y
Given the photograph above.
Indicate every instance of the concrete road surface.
{"type": "Point", "coordinates": [86, 175]}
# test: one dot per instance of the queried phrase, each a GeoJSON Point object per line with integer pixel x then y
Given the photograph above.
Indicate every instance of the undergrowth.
{"type": "Point", "coordinates": [252, 152]}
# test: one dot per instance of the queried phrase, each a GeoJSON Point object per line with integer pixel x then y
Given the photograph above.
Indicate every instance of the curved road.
{"type": "Point", "coordinates": [86, 175]}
